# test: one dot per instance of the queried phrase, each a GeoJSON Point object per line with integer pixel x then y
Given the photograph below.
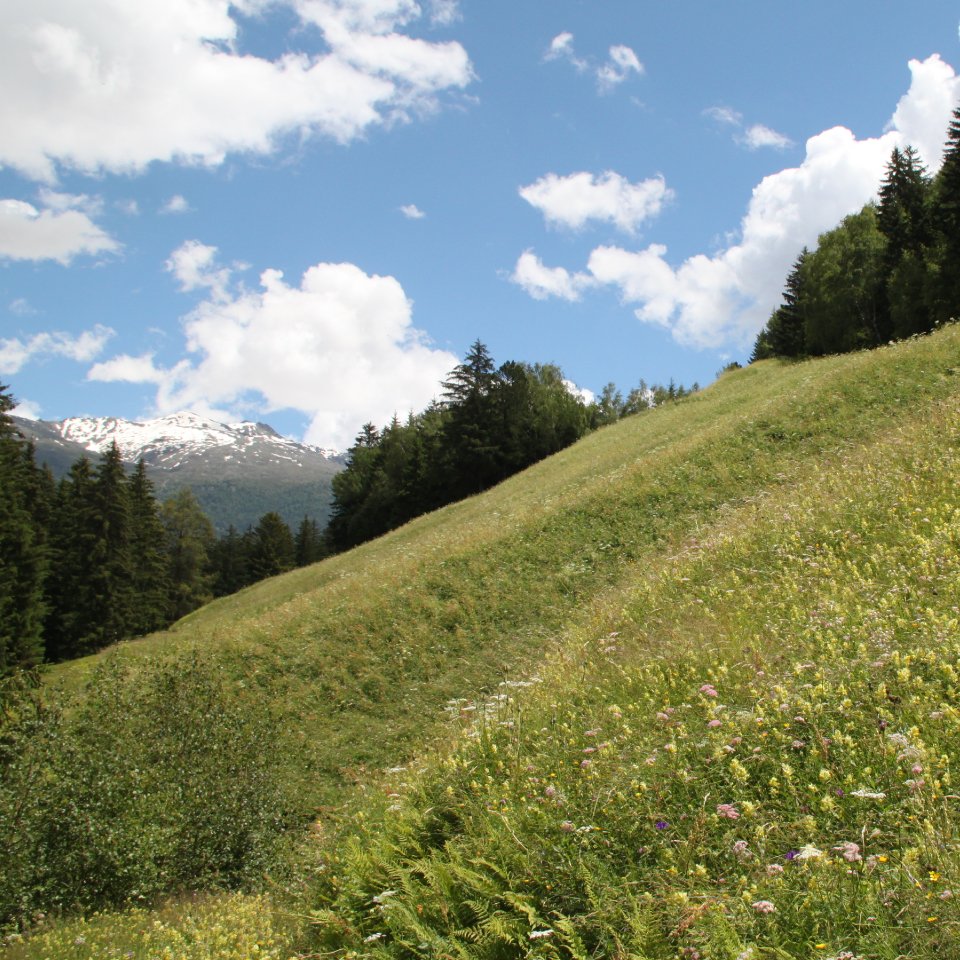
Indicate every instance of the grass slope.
{"type": "Point", "coordinates": [739, 610]}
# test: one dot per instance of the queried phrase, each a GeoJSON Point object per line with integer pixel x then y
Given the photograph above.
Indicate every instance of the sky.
{"type": "Point", "coordinates": [304, 212]}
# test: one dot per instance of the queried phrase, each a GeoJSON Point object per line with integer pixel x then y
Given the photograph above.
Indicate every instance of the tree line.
{"type": "Point", "coordinates": [886, 273]}
{"type": "Point", "coordinates": [96, 558]}
{"type": "Point", "coordinates": [490, 423]}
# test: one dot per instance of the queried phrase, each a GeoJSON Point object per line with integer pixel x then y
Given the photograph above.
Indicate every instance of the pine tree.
{"type": "Point", "coordinates": [470, 395]}
{"type": "Point", "coordinates": [72, 603]}
{"type": "Point", "coordinates": [944, 285]}
{"type": "Point", "coordinates": [902, 217]}
{"type": "Point", "coordinates": [273, 550]}
{"type": "Point", "coordinates": [111, 562]}
{"type": "Point", "coordinates": [190, 539]}
{"type": "Point", "coordinates": [308, 543]}
{"type": "Point", "coordinates": [787, 327]}
{"type": "Point", "coordinates": [23, 562]}
{"type": "Point", "coordinates": [150, 585]}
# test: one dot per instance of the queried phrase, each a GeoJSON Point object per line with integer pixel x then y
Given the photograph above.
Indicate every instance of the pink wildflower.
{"type": "Point", "coordinates": [708, 690]}
{"type": "Point", "coordinates": [714, 723]}
{"type": "Point", "coordinates": [763, 906]}
{"type": "Point", "coordinates": [850, 851]}
{"type": "Point", "coordinates": [728, 810]}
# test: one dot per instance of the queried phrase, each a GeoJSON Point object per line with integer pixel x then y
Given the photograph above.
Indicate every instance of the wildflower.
{"type": "Point", "coordinates": [763, 906]}
{"type": "Point", "coordinates": [539, 934]}
{"type": "Point", "coordinates": [584, 764]}
{"type": "Point", "coordinates": [728, 810]}
{"type": "Point", "coordinates": [742, 850]}
{"type": "Point", "coordinates": [773, 869]}
{"type": "Point", "coordinates": [664, 717]}
{"type": "Point", "coordinates": [868, 794]}
{"type": "Point", "coordinates": [708, 690]}
{"type": "Point", "coordinates": [850, 851]}
{"type": "Point", "coordinates": [809, 852]}
{"type": "Point", "coordinates": [567, 826]}
{"type": "Point", "coordinates": [661, 825]}
{"type": "Point", "coordinates": [372, 937]}
{"type": "Point", "coordinates": [714, 723]}
{"type": "Point", "coordinates": [551, 791]}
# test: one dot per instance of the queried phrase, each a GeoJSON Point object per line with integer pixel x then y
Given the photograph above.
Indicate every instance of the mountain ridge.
{"type": "Point", "coordinates": [237, 471]}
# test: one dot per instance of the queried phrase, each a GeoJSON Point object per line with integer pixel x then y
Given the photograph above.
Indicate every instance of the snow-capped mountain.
{"type": "Point", "coordinates": [238, 471]}
{"type": "Point", "coordinates": [169, 442]}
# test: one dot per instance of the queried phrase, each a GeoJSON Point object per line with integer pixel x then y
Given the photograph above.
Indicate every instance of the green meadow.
{"type": "Point", "coordinates": [688, 689]}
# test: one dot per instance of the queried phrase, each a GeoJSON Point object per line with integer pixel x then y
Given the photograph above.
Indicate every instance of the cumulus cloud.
{"type": "Point", "coordinates": [15, 352]}
{"type": "Point", "coordinates": [194, 264]}
{"type": "Point", "coordinates": [109, 85]}
{"type": "Point", "coordinates": [575, 200]}
{"type": "Point", "coordinates": [412, 212]}
{"type": "Point", "coordinates": [340, 347]}
{"type": "Point", "coordinates": [57, 232]}
{"type": "Point", "coordinates": [725, 115]}
{"type": "Point", "coordinates": [542, 282]}
{"type": "Point", "coordinates": [726, 298]}
{"type": "Point", "coordinates": [27, 410]}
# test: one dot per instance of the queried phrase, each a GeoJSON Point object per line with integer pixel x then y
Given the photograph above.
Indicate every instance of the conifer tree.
{"type": "Point", "coordinates": [73, 608]}
{"type": "Point", "coordinates": [189, 540]}
{"type": "Point", "coordinates": [22, 554]}
{"type": "Point", "coordinates": [945, 283]}
{"type": "Point", "coordinates": [308, 543]}
{"type": "Point", "coordinates": [903, 219]}
{"type": "Point", "coordinates": [273, 547]}
{"type": "Point", "coordinates": [150, 586]}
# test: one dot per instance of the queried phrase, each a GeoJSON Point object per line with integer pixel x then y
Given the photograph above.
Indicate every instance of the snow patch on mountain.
{"type": "Point", "coordinates": [168, 441]}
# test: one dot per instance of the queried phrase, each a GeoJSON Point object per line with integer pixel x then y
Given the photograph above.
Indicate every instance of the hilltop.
{"type": "Point", "coordinates": [687, 688]}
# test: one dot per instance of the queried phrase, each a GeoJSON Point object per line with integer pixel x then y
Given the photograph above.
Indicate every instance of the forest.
{"type": "Point", "coordinates": [96, 558]}
{"type": "Point", "coordinates": [888, 272]}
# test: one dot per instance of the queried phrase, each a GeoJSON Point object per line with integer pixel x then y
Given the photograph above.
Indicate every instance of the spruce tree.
{"type": "Point", "coordinates": [22, 554]}
{"type": "Point", "coordinates": [945, 281]}
{"type": "Point", "coordinates": [308, 543]}
{"type": "Point", "coordinates": [902, 217]}
{"type": "Point", "coordinates": [150, 582]}
{"type": "Point", "coordinates": [72, 603]}
{"type": "Point", "coordinates": [273, 550]}
{"type": "Point", "coordinates": [190, 540]}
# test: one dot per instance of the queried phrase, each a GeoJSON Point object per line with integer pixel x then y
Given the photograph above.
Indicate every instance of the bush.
{"type": "Point", "coordinates": [159, 779]}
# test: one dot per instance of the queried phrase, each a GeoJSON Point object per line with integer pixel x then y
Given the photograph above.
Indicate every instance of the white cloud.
{"type": "Point", "coordinates": [340, 347]}
{"type": "Point", "coordinates": [758, 136]}
{"type": "Point", "coordinates": [725, 115]}
{"type": "Point", "coordinates": [176, 204]}
{"type": "Point", "coordinates": [621, 63]}
{"type": "Point", "coordinates": [194, 265]}
{"type": "Point", "coordinates": [444, 12]}
{"type": "Point", "coordinates": [16, 353]}
{"type": "Point", "coordinates": [412, 212]}
{"type": "Point", "coordinates": [561, 48]}
{"type": "Point", "coordinates": [21, 307]}
{"type": "Point", "coordinates": [27, 410]}
{"type": "Point", "coordinates": [542, 282]}
{"type": "Point", "coordinates": [109, 85]}
{"type": "Point", "coordinates": [55, 233]}
{"type": "Point", "coordinates": [574, 200]}
{"type": "Point", "coordinates": [709, 301]}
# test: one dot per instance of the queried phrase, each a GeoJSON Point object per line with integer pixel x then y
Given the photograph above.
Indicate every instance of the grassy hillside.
{"type": "Point", "coordinates": [728, 633]}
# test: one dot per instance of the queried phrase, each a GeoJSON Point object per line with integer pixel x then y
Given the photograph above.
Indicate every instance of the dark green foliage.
{"type": "Point", "coordinates": [945, 256]}
{"type": "Point", "coordinates": [149, 581]}
{"type": "Point", "coordinates": [309, 546]}
{"type": "Point", "coordinates": [903, 217]}
{"type": "Point", "coordinates": [23, 501]}
{"type": "Point", "coordinates": [273, 550]}
{"type": "Point", "coordinates": [159, 779]}
{"type": "Point", "coordinates": [189, 542]}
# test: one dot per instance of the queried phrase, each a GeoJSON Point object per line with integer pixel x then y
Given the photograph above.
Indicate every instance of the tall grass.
{"type": "Point", "coordinates": [558, 638]}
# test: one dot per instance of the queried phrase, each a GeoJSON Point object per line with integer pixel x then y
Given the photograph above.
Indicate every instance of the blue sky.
{"type": "Point", "coordinates": [304, 211]}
